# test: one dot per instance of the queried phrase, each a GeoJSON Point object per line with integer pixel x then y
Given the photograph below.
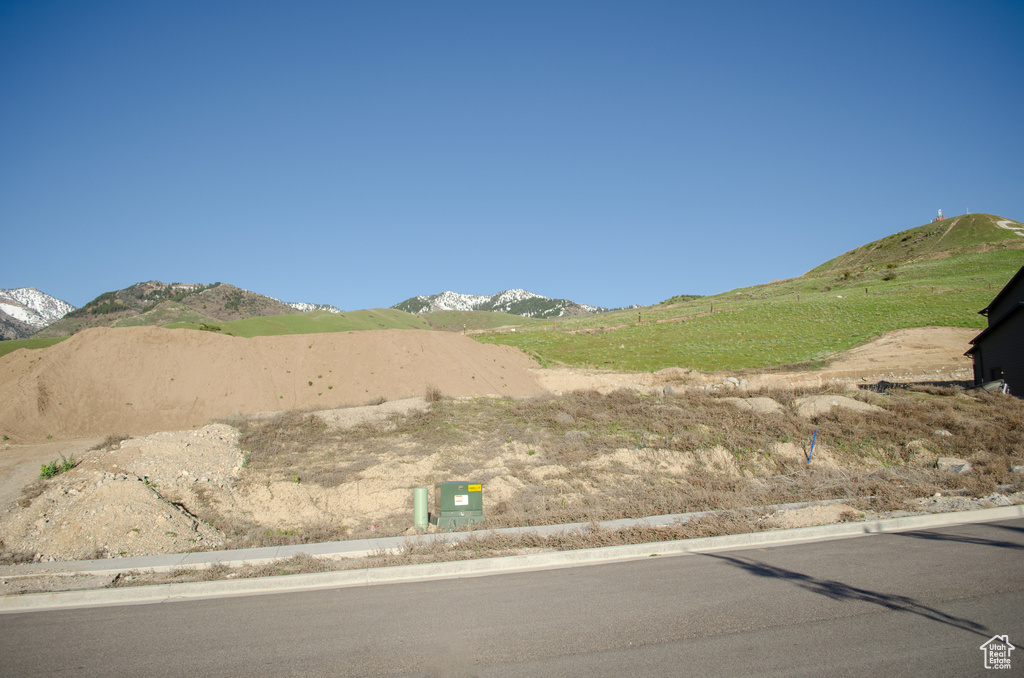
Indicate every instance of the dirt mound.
{"type": "Point", "coordinates": [145, 379]}
{"type": "Point", "coordinates": [128, 500]}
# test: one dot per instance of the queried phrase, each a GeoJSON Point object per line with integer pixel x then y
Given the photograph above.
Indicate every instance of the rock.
{"type": "Point", "coordinates": [758, 405]}
{"type": "Point", "coordinates": [1018, 468]}
{"type": "Point", "coordinates": [919, 456]}
{"type": "Point", "coordinates": [953, 464]}
{"type": "Point", "coordinates": [813, 406]}
{"type": "Point", "coordinates": [942, 432]}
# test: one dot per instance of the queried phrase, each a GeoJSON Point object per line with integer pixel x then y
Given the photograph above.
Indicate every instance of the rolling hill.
{"type": "Point", "coordinates": [945, 238]}
{"type": "Point", "coordinates": [941, 274]}
{"type": "Point", "coordinates": [158, 303]}
{"type": "Point", "coordinates": [314, 322]}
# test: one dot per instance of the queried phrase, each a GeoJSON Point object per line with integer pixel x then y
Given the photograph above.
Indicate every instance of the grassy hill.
{"type": "Point", "coordinates": [956, 235]}
{"type": "Point", "coordinates": [938, 274]}
{"type": "Point", "coordinates": [314, 322]}
{"type": "Point", "coordinates": [458, 321]}
{"type": "Point", "coordinates": [33, 342]}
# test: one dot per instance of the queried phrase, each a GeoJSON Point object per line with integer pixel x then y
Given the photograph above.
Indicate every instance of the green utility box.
{"type": "Point", "coordinates": [459, 503]}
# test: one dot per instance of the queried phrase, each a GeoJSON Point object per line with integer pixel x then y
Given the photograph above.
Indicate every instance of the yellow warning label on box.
{"type": "Point", "coordinates": [474, 488]}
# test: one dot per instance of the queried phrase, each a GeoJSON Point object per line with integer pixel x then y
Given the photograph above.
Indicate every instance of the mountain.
{"type": "Point", "coordinates": [515, 302]}
{"type": "Point", "coordinates": [941, 238]}
{"type": "Point", "coordinates": [303, 307]}
{"type": "Point", "coordinates": [158, 303]}
{"type": "Point", "coordinates": [25, 310]}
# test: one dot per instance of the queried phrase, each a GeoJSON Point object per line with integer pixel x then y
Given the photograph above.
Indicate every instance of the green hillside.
{"type": "Point", "coordinates": [457, 321]}
{"type": "Point", "coordinates": [314, 322]}
{"type": "Point", "coordinates": [905, 280]}
{"type": "Point", "coordinates": [956, 235]}
{"type": "Point", "coordinates": [13, 345]}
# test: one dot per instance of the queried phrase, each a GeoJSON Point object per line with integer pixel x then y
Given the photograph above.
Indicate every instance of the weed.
{"type": "Point", "coordinates": [56, 466]}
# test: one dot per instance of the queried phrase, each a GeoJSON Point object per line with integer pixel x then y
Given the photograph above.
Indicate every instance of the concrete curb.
{"type": "Point", "coordinates": [161, 593]}
{"type": "Point", "coordinates": [352, 548]}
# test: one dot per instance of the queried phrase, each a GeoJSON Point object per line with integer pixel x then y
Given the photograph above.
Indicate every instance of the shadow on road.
{"type": "Point", "coordinates": [839, 591]}
{"type": "Point", "coordinates": [980, 541]}
{"type": "Point", "coordinates": [1007, 527]}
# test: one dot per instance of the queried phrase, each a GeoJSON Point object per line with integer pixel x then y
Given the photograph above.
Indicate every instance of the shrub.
{"type": "Point", "coordinates": [57, 466]}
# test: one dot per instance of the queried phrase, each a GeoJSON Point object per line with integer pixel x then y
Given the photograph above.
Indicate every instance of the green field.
{"type": "Point", "coordinates": [14, 344]}
{"type": "Point", "coordinates": [457, 321]}
{"type": "Point", "coordinates": [799, 321]}
{"type": "Point", "coordinates": [314, 322]}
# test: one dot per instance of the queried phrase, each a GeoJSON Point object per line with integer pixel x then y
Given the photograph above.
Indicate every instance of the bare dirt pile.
{"type": "Point", "coordinates": [146, 379]}
{"type": "Point", "coordinates": [129, 499]}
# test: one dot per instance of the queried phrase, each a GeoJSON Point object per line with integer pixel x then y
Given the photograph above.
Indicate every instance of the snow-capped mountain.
{"type": "Point", "coordinates": [30, 308]}
{"type": "Point", "coordinates": [303, 307]}
{"type": "Point", "coordinates": [516, 302]}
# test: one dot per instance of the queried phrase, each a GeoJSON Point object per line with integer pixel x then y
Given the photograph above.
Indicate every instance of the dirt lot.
{"type": "Point", "coordinates": [564, 446]}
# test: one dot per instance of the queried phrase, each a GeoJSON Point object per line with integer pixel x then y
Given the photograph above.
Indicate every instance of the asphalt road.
{"type": "Point", "coordinates": [912, 603]}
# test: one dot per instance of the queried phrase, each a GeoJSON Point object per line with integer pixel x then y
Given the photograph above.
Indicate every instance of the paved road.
{"type": "Point", "coordinates": [913, 603]}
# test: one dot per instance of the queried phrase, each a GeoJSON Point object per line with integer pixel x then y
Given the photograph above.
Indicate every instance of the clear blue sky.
{"type": "Point", "coordinates": [612, 153]}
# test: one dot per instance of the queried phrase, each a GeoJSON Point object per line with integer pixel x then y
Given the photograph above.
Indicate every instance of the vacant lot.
{"type": "Point", "coordinates": [594, 446]}
{"type": "Point", "coordinates": [585, 456]}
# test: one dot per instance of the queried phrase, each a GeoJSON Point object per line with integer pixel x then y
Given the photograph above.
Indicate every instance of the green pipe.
{"type": "Point", "coordinates": [419, 508]}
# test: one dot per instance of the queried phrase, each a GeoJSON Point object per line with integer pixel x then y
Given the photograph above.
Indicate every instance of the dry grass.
{"type": "Point", "coordinates": [112, 441]}
{"type": "Point", "coordinates": [469, 547]}
{"type": "Point", "coordinates": [14, 556]}
{"type": "Point", "coordinates": [579, 437]}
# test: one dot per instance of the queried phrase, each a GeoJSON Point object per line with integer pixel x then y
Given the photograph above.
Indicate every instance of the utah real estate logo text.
{"type": "Point", "coordinates": [997, 651]}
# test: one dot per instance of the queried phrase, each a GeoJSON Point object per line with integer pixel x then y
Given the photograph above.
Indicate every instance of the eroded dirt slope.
{"type": "Point", "coordinates": [145, 379]}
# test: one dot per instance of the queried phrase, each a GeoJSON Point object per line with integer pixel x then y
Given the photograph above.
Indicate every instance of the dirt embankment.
{"type": "Point", "coordinates": [146, 379]}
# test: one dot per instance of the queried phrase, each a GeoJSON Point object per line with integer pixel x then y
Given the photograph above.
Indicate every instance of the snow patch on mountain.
{"type": "Point", "coordinates": [515, 301]}
{"type": "Point", "coordinates": [32, 307]}
{"type": "Point", "coordinates": [304, 307]}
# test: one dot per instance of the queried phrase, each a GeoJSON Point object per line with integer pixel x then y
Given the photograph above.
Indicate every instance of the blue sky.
{"type": "Point", "coordinates": [612, 153]}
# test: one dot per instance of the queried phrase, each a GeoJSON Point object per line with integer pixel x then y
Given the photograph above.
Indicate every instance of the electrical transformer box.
{"type": "Point", "coordinates": [459, 503]}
